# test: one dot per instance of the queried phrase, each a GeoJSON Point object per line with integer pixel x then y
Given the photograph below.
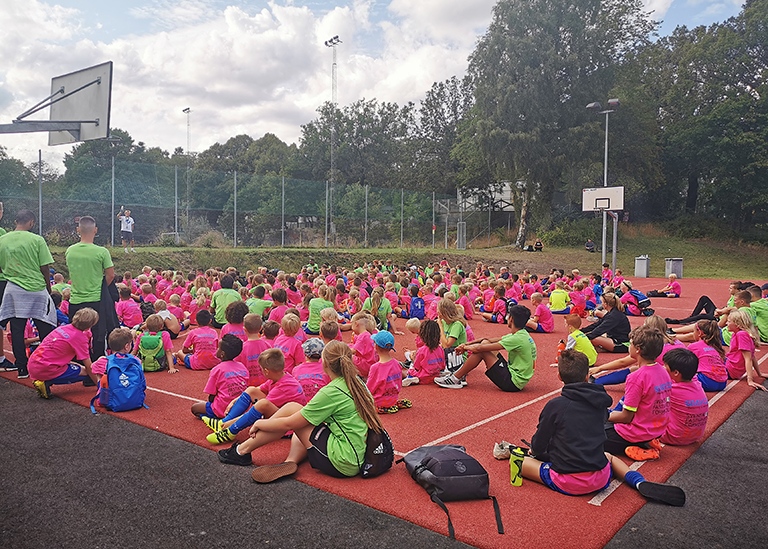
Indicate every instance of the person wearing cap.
{"type": "Point", "coordinates": [385, 378]}
{"type": "Point", "coordinates": [631, 307]}
{"type": "Point", "coordinates": [310, 373]}
{"type": "Point", "coordinates": [672, 289]}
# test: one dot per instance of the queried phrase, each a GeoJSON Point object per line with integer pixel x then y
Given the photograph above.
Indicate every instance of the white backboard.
{"type": "Point", "coordinates": [602, 198]}
{"type": "Point", "coordinates": [93, 102]}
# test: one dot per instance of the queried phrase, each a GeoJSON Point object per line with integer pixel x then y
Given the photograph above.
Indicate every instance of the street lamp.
{"type": "Point", "coordinates": [187, 111]}
{"type": "Point", "coordinates": [331, 43]}
{"type": "Point", "coordinates": [113, 141]}
{"type": "Point", "coordinates": [613, 105]}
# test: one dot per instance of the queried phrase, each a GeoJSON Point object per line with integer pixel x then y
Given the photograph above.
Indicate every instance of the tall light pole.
{"type": "Point", "coordinates": [613, 105]}
{"type": "Point", "coordinates": [332, 43]}
{"type": "Point", "coordinates": [189, 159]}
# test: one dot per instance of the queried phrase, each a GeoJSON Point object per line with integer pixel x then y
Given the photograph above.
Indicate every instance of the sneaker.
{"type": "Point", "coordinates": [502, 450]}
{"type": "Point", "coordinates": [404, 403]}
{"type": "Point", "coordinates": [231, 457]}
{"type": "Point", "coordinates": [213, 423]}
{"type": "Point", "coordinates": [388, 409]}
{"type": "Point", "coordinates": [656, 444]}
{"type": "Point", "coordinates": [271, 473]}
{"type": "Point", "coordinates": [43, 388]}
{"type": "Point", "coordinates": [410, 380]}
{"type": "Point", "coordinates": [664, 493]}
{"type": "Point", "coordinates": [126, 250]}
{"type": "Point", "coordinates": [7, 366]}
{"type": "Point", "coordinates": [23, 372]}
{"type": "Point", "coordinates": [134, 251]}
{"type": "Point", "coordinates": [641, 454]}
{"type": "Point", "coordinates": [449, 382]}
{"type": "Point", "coordinates": [88, 382]}
{"type": "Point", "coordinates": [220, 437]}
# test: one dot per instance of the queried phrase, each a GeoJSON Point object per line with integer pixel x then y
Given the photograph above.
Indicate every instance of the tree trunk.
{"type": "Point", "coordinates": [693, 192]}
{"type": "Point", "coordinates": [522, 230]}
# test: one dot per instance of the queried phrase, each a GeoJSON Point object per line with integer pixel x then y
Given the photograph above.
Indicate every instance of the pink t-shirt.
{"type": "Point", "coordinates": [99, 367]}
{"type": "Point", "coordinates": [710, 362]}
{"type": "Point", "coordinates": [186, 299]}
{"type": "Point", "coordinates": [364, 352]}
{"type": "Point", "coordinates": [236, 330]}
{"type": "Point", "coordinates": [204, 342]}
{"type": "Point", "coordinates": [178, 312]}
{"type": "Point", "coordinates": [278, 313]}
{"type": "Point", "coordinates": [311, 377]}
{"type": "Point", "coordinates": [129, 312]}
{"type": "Point", "coordinates": [292, 351]}
{"type": "Point", "coordinates": [630, 304]}
{"type": "Point", "coordinates": [294, 296]}
{"type": "Point", "coordinates": [688, 414]}
{"type": "Point", "coordinates": [578, 299]}
{"type": "Point", "coordinates": [385, 379]}
{"type": "Point", "coordinates": [500, 310]}
{"type": "Point", "coordinates": [734, 359]}
{"type": "Point", "coordinates": [149, 298]}
{"type": "Point", "coordinates": [427, 362]}
{"type": "Point", "coordinates": [63, 345]}
{"type": "Point", "coordinates": [392, 298]}
{"type": "Point", "coordinates": [284, 390]}
{"type": "Point", "coordinates": [226, 382]}
{"type": "Point", "coordinates": [675, 288]}
{"type": "Point", "coordinates": [468, 309]}
{"type": "Point", "coordinates": [528, 290]}
{"type": "Point", "coordinates": [250, 358]}
{"type": "Point", "coordinates": [546, 320]}
{"type": "Point", "coordinates": [647, 393]}
{"type": "Point", "coordinates": [487, 298]}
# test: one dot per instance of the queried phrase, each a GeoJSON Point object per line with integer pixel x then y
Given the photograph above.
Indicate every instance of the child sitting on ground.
{"type": "Point", "coordinates": [120, 342]}
{"type": "Point", "coordinates": [559, 300]}
{"type": "Point", "coordinates": [363, 349]}
{"type": "Point", "coordinates": [429, 359]}
{"type": "Point", "coordinates": [510, 375]}
{"type": "Point", "coordinates": [128, 311]}
{"type": "Point", "coordinates": [257, 402]}
{"type": "Point", "coordinates": [234, 314]}
{"type": "Point", "coordinates": [227, 380]}
{"type": "Point", "coordinates": [288, 344]}
{"type": "Point", "coordinates": [577, 340]}
{"type": "Point", "coordinates": [269, 331]}
{"type": "Point", "coordinates": [642, 414]}
{"type": "Point", "coordinates": [200, 345]}
{"type": "Point", "coordinates": [52, 363]}
{"type": "Point", "coordinates": [567, 449]}
{"type": "Point", "coordinates": [498, 314]}
{"type": "Point", "coordinates": [542, 320]}
{"type": "Point", "coordinates": [385, 378]}
{"type": "Point", "coordinates": [252, 348]}
{"type": "Point", "coordinates": [258, 304]}
{"type": "Point", "coordinates": [740, 358]}
{"type": "Point", "coordinates": [708, 348]}
{"type": "Point", "coordinates": [310, 373]}
{"type": "Point", "coordinates": [688, 405]}
{"type": "Point", "coordinates": [154, 347]}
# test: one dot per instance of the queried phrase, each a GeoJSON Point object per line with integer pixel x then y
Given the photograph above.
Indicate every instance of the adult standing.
{"type": "Point", "coordinates": [89, 265]}
{"type": "Point", "coordinates": [5, 364]}
{"type": "Point", "coordinates": [126, 228]}
{"type": "Point", "coordinates": [25, 262]}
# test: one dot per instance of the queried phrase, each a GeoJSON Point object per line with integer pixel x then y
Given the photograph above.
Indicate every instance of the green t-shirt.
{"type": "Point", "coordinates": [760, 308]}
{"type": "Point", "coordinates": [333, 405]}
{"type": "Point", "coordinates": [258, 306]}
{"type": "Point", "coordinates": [456, 330]}
{"type": "Point", "coordinates": [580, 342]}
{"type": "Point", "coordinates": [86, 263]}
{"type": "Point", "coordinates": [385, 308]}
{"type": "Point", "coordinates": [60, 287]}
{"type": "Point", "coordinates": [22, 253]}
{"type": "Point", "coordinates": [316, 305]}
{"type": "Point", "coordinates": [219, 301]}
{"type": "Point", "coordinates": [558, 299]}
{"type": "Point", "coordinates": [521, 354]}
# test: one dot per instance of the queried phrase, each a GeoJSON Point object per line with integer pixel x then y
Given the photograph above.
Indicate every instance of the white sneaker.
{"type": "Point", "coordinates": [410, 380]}
{"type": "Point", "coordinates": [449, 382]}
{"type": "Point", "coordinates": [134, 251]}
{"type": "Point", "coordinates": [126, 250]}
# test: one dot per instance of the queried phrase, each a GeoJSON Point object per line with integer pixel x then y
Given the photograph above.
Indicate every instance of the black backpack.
{"type": "Point", "coordinates": [147, 309]}
{"type": "Point", "coordinates": [448, 473]}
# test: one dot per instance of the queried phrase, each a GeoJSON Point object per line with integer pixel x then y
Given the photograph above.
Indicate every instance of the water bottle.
{"type": "Point", "coordinates": [560, 348]}
{"type": "Point", "coordinates": [516, 466]}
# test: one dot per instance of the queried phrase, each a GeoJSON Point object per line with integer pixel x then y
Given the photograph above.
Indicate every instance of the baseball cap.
{"type": "Point", "coordinates": [384, 339]}
{"type": "Point", "coordinates": [313, 348]}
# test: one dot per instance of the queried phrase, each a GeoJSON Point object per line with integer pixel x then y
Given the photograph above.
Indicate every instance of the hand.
{"type": "Point", "coordinates": [594, 370]}
{"type": "Point", "coordinates": [172, 370]}
{"type": "Point", "coordinates": [254, 429]}
{"type": "Point", "coordinates": [756, 385]}
{"type": "Point", "coordinates": [461, 348]}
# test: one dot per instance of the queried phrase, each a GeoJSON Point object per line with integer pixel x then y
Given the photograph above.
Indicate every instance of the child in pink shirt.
{"type": "Point", "coordinates": [709, 349]}
{"type": "Point", "coordinates": [465, 302]}
{"type": "Point", "coordinates": [200, 345]}
{"type": "Point", "coordinates": [279, 298]}
{"type": "Point", "coordinates": [385, 378]}
{"type": "Point", "coordinates": [740, 358]}
{"type": "Point", "coordinates": [252, 348]}
{"type": "Point", "coordinates": [235, 313]}
{"type": "Point", "coordinates": [52, 363]}
{"type": "Point", "coordinates": [227, 380]}
{"type": "Point", "coordinates": [154, 326]}
{"type": "Point", "coordinates": [362, 345]}
{"type": "Point", "coordinates": [128, 311]}
{"type": "Point", "coordinates": [542, 320]}
{"type": "Point", "coordinates": [429, 359]}
{"type": "Point", "coordinates": [288, 343]}
{"type": "Point", "coordinates": [310, 374]}
{"type": "Point", "coordinates": [688, 404]}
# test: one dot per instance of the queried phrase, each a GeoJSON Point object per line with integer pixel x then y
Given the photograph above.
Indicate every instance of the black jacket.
{"type": "Point", "coordinates": [571, 430]}
{"type": "Point", "coordinates": [614, 324]}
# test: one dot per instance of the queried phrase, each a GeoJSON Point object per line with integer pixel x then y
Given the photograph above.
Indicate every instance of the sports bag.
{"type": "Point", "coordinates": [448, 473]}
{"type": "Point", "coordinates": [151, 352]}
{"type": "Point", "coordinates": [642, 299]}
{"type": "Point", "coordinates": [123, 386]}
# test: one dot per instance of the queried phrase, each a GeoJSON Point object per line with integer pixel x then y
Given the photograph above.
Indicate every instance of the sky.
{"type": "Point", "coordinates": [246, 66]}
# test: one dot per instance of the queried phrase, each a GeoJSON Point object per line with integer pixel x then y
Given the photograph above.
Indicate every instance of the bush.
{"type": "Point", "coordinates": [168, 240]}
{"type": "Point", "coordinates": [573, 233]}
{"type": "Point", "coordinates": [696, 226]}
{"type": "Point", "coordinates": [58, 237]}
{"type": "Point", "coordinates": [212, 239]}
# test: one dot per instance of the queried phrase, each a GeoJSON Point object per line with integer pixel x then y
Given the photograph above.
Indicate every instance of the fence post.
{"type": "Point", "coordinates": [326, 214]}
{"type": "Point", "coordinates": [402, 215]}
{"type": "Point", "coordinates": [112, 210]}
{"type": "Point", "coordinates": [433, 219]}
{"type": "Point", "coordinates": [365, 237]}
{"type": "Point", "coordinates": [40, 191]}
{"type": "Point", "coordinates": [234, 217]}
{"type": "Point", "coordinates": [175, 204]}
{"type": "Point", "coordinates": [282, 218]}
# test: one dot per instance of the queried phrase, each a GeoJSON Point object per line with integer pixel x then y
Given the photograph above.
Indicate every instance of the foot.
{"type": "Point", "coordinates": [410, 380]}
{"type": "Point", "coordinates": [641, 454]}
{"type": "Point", "coordinates": [656, 444]}
{"type": "Point", "coordinates": [134, 251]}
{"type": "Point", "coordinates": [7, 366]}
{"type": "Point", "coordinates": [271, 473]}
{"type": "Point", "coordinates": [404, 403]}
{"type": "Point", "coordinates": [88, 382]}
{"type": "Point", "coordinates": [23, 372]}
{"type": "Point", "coordinates": [449, 382]}
{"type": "Point", "coordinates": [388, 409]}
{"type": "Point", "coordinates": [43, 388]}
{"type": "Point", "coordinates": [213, 423]}
{"type": "Point", "coordinates": [664, 493]}
{"type": "Point", "coordinates": [220, 437]}
{"type": "Point", "coordinates": [231, 457]}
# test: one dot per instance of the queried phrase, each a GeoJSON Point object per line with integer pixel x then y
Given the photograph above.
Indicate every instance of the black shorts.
{"type": "Point", "coordinates": [616, 444]}
{"type": "Point", "coordinates": [126, 235]}
{"type": "Point", "coordinates": [500, 375]}
{"type": "Point", "coordinates": [318, 452]}
{"type": "Point", "coordinates": [619, 347]}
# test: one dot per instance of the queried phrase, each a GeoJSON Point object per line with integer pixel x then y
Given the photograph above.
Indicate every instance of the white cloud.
{"type": "Point", "coordinates": [170, 14]}
{"type": "Point", "coordinates": [659, 8]}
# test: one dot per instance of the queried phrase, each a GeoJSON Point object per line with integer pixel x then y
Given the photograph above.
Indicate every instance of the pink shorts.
{"type": "Point", "coordinates": [575, 484]}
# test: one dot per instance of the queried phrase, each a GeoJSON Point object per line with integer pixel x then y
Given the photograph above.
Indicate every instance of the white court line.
{"type": "Point", "coordinates": [615, 483]}
{"type": "Point", "coordinates": [185, 397]}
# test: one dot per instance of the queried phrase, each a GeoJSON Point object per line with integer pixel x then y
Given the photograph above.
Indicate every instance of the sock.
{"type": "Point", "coordinates": [614, 378]}
{"type": "Point", "coordinates": [242, 403]}
{"type": "Point", "coordinates": [633, 478]}
{"type": "Point", "coordinates": [245, 421]}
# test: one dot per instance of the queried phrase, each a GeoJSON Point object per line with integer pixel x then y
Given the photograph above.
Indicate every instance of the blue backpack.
{"type": "Point", "coordinates": [417, 308]}
{"type": "Point", "coordinates": [642, 300]}
{"type": "Point", "coordinates": [123, 385]}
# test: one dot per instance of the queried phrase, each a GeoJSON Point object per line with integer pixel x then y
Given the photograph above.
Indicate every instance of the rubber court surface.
{"type": "Point", "coordinates": [475, 417]}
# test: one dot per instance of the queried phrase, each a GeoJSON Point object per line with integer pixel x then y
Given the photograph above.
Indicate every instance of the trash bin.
{"type": "Point", "coordinates": [642, 266]}
{"type": "Point", "coordinates": [673, 265]}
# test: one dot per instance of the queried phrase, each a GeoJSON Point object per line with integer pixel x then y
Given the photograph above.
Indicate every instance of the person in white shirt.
{"type": "Point", "coordinates": [126, 228]}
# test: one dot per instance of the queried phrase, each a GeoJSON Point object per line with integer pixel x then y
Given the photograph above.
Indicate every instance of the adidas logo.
{"type": "Point", "coordinates": [379, 449]}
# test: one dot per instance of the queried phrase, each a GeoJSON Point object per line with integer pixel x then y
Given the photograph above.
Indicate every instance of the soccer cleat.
{"type": "Point", "coordinates": [231, 457]}
{"type": "Point", "coordinates": [23, 372]}
{"type": "Point", "coordinates": [641, 454]}
{"type": "Point", "coordinates": [656, 444]}
{"type": "Point", "coordinates": [410, 380]}
{"type": "Point", "coordinates": [271, 473]}
{"type": "Point", "coordinates": [220, 437]}
{"type": "Point", "coordinates": [7, 366]}
{"type": "Point", "coordinates": [43, 388]}
{"type": "Point", "coordinates": [449, 382]}
{"type": "Point", "coordinates": [664, 493]}
{"type": "Point", "coordinates": [213, 423]}
{"type": "Point", "coordinates": [388, 409]}
{"type": "Point", "coordinates": [404, 403]}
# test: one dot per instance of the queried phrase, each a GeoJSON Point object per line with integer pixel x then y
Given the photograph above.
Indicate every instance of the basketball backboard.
{"type": "Point", "coordinates": [602, 198]}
